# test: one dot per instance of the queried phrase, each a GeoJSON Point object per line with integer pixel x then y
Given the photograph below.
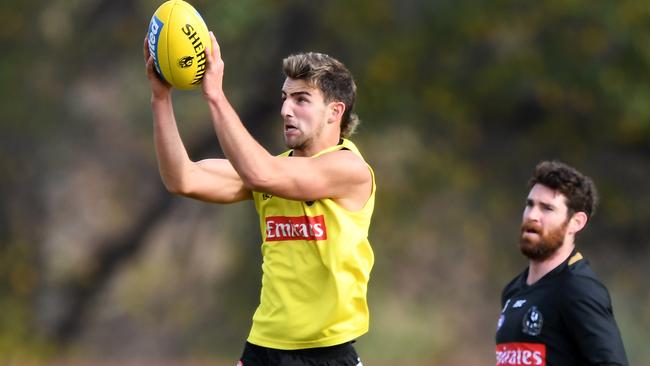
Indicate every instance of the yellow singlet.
{"type": "Point", "coordinates": [316, 267]}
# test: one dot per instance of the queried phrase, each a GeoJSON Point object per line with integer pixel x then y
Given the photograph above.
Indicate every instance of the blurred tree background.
{"type": "Point", "coordinates": [459, 100]}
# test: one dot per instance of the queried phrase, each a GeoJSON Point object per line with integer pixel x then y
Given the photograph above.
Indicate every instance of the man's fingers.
{"type": "Point", "coordinates": [215, 45]}
{"type": "Point", "coordinates": [148, 58]}
{"type": "Point", "coordinates": [145, 48]}
{"type": "Point", "coordinates": [215, 52]}
{"type": "Point", "coordinates": [149, 68]}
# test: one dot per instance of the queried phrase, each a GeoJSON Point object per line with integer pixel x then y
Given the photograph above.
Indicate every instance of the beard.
{"type": "Point", "coordinates": [546, 243]}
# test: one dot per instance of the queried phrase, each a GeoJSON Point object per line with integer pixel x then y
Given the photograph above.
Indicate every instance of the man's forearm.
{"type": "Point", "coordinates": [246, 155]}
{"type": "Point", "coordinates": [170, 151]}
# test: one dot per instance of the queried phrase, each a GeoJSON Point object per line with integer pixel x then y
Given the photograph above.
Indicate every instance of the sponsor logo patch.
{"type": "Point", "coordinates": [283, 228]}
{"type": "Point", "coordinates": [521, 354]}
{"type": "Point", "coordinates": [519, 303]}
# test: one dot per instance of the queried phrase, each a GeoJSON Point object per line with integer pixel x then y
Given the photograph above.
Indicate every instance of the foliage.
{"type": "Point", "coordinates": [459, 100]}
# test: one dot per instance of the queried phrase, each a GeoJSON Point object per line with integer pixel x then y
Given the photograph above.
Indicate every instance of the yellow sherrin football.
{"type": "Point", "coordinates": [178, 38]}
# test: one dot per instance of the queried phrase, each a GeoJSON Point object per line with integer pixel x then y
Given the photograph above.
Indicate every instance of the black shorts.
{"type": "Point", "coordinates": [339, 355]}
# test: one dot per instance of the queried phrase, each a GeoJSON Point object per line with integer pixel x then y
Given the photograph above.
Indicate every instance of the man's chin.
{"type": "Point", "coordinates": [531, 249]}
{"type": "Point", "coordinates": [293, 143]}
{"type": "Point", "coordinates": [536, 251]}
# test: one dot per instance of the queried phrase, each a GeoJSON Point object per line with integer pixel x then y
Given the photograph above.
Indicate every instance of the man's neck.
{"type": "Point", "coordinates": [315, 148]}
{"type": "Point", "coordinates": [539, 269]}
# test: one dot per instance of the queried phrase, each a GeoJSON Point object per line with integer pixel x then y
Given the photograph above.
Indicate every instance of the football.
{"type": "Point", "coordinates": [178, 38]}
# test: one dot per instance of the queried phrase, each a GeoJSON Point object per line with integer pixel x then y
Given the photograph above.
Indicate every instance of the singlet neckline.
{"type": "Point", "coordinates": [340, 143]}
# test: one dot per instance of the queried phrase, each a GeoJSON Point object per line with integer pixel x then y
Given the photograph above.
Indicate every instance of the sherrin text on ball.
{"type": "Point", "coordinates": [178, 38]}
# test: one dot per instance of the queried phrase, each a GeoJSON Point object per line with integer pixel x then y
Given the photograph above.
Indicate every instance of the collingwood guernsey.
{"type": "Point", "coordinates": [564, 319]}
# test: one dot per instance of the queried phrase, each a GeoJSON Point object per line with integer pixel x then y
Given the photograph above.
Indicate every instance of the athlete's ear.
{"type": "Point", "coordinates": [577, 222]}
{"type": "Point", "coordinates": [336, 110]}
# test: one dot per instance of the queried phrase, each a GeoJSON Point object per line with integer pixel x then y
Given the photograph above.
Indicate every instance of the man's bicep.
{"type": "Point", "coordinates": [333, 175]}
{"type": "Point", "coordinates": [215, 180]}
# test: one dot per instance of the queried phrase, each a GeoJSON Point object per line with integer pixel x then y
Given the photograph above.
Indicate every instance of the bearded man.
{"type": "Point", "coordinates": [557, 312]}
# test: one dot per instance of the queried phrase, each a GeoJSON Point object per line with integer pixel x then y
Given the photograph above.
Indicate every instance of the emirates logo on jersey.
{"type": "Point", "coordinates": [283, 228]}
{"type": "Point", "coordinates": [521, 354]}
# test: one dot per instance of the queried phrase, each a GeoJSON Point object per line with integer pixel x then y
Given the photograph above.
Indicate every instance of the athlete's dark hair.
{"type": "Point", "coordinates": [331, 77]}
{"type": "Point", "coordinates": [579, 189]}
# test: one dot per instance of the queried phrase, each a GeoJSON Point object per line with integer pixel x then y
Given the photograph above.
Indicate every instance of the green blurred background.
{"type": "Point", "coordinates": [459, 100]}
